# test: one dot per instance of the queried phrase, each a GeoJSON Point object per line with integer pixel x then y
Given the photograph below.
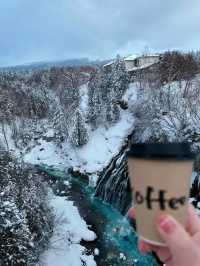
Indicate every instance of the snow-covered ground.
{"type": "Point", "coordinates": [46, 153]}
{"type": "Point", "coordinates": [92, 157]}
{"type": "Point", "coordinates": [102, 146]}
{"type": "Point", "coordinates": [96, 154]}
{"type": "Point", "coordinates": [65, 248]}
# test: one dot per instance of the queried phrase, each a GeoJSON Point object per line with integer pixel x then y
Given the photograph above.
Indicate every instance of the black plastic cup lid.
{"type": "Point", "coordinates": [173, 151]}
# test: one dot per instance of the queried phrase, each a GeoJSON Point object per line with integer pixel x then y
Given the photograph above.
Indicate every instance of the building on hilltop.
{"type": "Point", "coordinates": [137, 62]}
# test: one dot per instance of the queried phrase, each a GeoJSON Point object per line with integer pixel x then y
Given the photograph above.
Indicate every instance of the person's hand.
{"type": "Point", "coordinates": [183, 245]}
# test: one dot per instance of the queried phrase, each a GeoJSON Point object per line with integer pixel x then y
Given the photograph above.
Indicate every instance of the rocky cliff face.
{"type": "Point", "coordinates": [113, 185]}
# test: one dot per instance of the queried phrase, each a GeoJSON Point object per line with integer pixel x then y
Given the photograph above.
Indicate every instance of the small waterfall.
{"type": "Point", "coordinates": [113, 185]}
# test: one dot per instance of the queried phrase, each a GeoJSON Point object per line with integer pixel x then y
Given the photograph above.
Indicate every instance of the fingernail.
{"type": "Point", "coordinates": [166, 224]}
{"type": "Point", "coordinates": [142, 248]}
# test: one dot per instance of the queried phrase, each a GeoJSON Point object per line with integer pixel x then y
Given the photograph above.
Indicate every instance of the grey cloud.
{"type": "Point", "coordinates": [33, 30]}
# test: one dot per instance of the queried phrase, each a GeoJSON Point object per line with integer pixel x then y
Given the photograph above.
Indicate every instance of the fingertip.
{"type": "Point", "coordinates": [166, 224]}
{"type": "Point", "coordinates": [173, 233]}
{"type": "Point", "coordinates": [141, 247]}
{"type": "Point", "coordinates": [144, 247]}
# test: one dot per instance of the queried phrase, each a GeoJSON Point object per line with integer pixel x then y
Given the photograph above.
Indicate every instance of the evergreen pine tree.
{"type": "Point", "coordinates": [79, 134]}
{"type": "Point", "coordinates": [105, 91]}
{"type": "Point", "coordinates": [120, 78]}
{"type": "Point", "coordinates": [59, 125]}
{"type": "Point", "coordinates": [112, 108]}
{"type": "Point", "coordinates": [117, 84]}
{"type": "Point", "coordinates": [24, 232]}
{"type": "Point", "coordinates": [94, 100]}
{"type": "Point", "coordinates": [105, 85]}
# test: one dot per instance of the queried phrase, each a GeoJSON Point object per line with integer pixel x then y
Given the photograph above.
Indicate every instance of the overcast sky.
{"type": "Point", "coordinates": [38, 30]}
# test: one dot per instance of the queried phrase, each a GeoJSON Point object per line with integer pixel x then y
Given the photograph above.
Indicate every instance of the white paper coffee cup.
{"type": "Point", "coordinates": [160, 180]}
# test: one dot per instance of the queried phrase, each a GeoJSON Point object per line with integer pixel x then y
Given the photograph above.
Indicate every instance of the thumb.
{"type": "Point", "coordinates": [175, 236]}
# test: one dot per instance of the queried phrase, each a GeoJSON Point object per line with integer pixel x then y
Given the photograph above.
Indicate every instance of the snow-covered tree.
{"type": "Point", "coordinates": [6, 107]}
{"type": "Point", "coordinates": [169, 113]}
{"type": "Point", "coordinates": [68, 90]}
{"type": "Point", "coordinates": [60, 122]}
{"type": "Point", "coordinates": [177, 66]}
{"type": "Point", "coordinates": [78, 132]}
{"type": "Point", "coordinates": [94, 100]}
{"type": "Point", "coordinates": [105, 91]}
{"type": "Point", "coordinates": [117, 82]}
{"type": "Point", "coordinates": [26, 221]}
{"type": "Point", "coordinates": [16, 244]}
{"type": "Point", "coordinates": [120, 78]}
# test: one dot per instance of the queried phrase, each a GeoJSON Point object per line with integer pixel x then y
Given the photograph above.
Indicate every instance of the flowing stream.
{"type": "Point", "coordinates": [117, 240]}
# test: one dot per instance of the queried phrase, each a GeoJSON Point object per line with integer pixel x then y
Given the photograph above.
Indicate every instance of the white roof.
{"type": "Point", "coordinates": [132, 57]}
{"type": "Point", "coordinates": [135, 56]}
{"type": "Point", "coordinates": [109, 63]}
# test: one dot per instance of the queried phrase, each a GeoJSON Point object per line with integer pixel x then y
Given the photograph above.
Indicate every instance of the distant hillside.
{"type": "Point", "coordinates": [46, 65]}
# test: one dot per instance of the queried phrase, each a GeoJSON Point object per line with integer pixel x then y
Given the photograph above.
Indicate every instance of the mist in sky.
{"type": "Point", "coordinates": [48, 30]}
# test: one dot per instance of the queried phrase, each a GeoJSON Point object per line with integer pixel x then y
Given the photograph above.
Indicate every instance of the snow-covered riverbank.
{"type": "Point", "coordinates": [103, 145]}
{"type": "Point", "coordinates": [65, 248]}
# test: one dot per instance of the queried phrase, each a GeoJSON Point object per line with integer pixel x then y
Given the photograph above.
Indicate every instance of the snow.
{"type": "Point", "coordinates": [96, 252]}
{"type": "Point", "coordinates": [104, 143]}
{"type": "Point", "coordinates": [102, 146]}
{"type": "Point", "coordinates": [46, 153]}
{"type": "Point", "coordinates": [131, 57]}
{"type": "Point", "coordinates": [9, 139]}
{"type": "Point", "coordinates": [50, 133]}
{"type": "Point", "coordinates": [128, 58]}
{"type": "Point", "coordinates": [194, 175]}
{"type": "Point", "coordinates": [93, 180]}
{"type": "Point", "coordinates": [131, 94]}
{"type": "Point", "coordinates": [109, 63]}
{"type": "Point", "coordinates": [92, 157]}
{"type": "Point", "coordinates": [66, 182]}
{"type": "Point", "coordinates": [191, 200]}
{"type": "Point", "coordinates": [122, 256]}
{"type": "Point", "coordinates": [84, 97]}
{"type": "Point", "coordinates": [97, 153]}
{"type": "Point", "coordinates": [134, 56]}
{"type": "Point", "coordinates": [65, 248]}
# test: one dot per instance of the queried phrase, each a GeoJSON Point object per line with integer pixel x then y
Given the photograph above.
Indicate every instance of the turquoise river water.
{"type": "Point", "coordinates": [117, 240]}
